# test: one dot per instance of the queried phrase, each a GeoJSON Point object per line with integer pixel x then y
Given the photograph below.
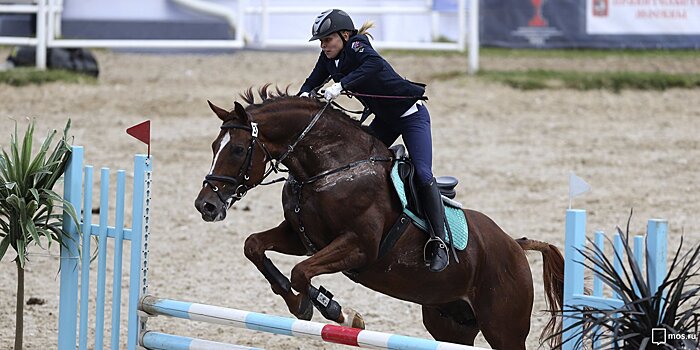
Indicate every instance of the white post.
{"type": "Point", "coordinates": [57, 13]}
{"type": "Point", "coordinates": [462, 23]}
{"type": "Point", "coordinates": [434, 20]}
{"type": "Point", "coordinates": [41, 35]}
{"type": "Point", "coordinates": [473, 36]}
{"type": "Point", "coordinates": [51, 22]}
{"type": "Point", "coordinates": [265, 23]}
{"type": "Point", "coordinates": [240, 29]}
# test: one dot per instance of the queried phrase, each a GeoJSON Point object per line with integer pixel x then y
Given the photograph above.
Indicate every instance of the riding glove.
{"type": "Point", "coordinates": [332, 92]}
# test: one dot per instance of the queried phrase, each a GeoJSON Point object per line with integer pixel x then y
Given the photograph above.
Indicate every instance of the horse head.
{"type": "Point", "coordinates": [238, 163]}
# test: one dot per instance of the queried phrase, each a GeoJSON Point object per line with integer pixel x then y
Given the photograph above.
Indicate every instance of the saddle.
{"type": "Point", "coordinates": [406, 187]}
{"type": "Point", "coordinates": [446, 184]}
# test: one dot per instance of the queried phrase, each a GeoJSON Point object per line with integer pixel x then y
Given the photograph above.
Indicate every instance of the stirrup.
{"type": "Point", "coordinates": [441, 245]}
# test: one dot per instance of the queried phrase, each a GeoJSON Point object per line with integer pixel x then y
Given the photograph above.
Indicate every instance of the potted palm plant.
{"type": "Point", "coordinates": [30, 211]}
{"type": "Point", "coordinates": [666, 318]}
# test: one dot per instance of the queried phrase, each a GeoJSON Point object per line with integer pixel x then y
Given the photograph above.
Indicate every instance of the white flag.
{"type": "Point", "coordinates": [577, 187]}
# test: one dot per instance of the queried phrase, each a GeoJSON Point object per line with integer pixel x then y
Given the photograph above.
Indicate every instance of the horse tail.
{"type": "Point", "coordinates": [553, 275]}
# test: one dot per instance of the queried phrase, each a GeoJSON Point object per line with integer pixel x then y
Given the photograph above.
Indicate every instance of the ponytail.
{"type": "Point", "coordinates": [365, 28]}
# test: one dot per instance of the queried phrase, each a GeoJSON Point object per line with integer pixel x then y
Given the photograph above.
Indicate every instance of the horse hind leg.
{"type": "Point", "coordinates": [453, 322]}
{"type": "Point", "coordinates": [504, 316]}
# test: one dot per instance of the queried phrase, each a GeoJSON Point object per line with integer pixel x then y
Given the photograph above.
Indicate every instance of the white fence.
{"type": "Point", "coordinates": [254, 17]}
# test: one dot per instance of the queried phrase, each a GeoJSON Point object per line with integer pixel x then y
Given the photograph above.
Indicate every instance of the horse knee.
{"type": "Point", "coordinates": [300, 280]}
{"type": "Point", "coordinates": [253, 249]}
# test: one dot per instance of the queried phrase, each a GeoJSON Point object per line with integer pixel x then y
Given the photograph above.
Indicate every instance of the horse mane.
{"type": "Point", "coordinates": [268, 95]}
{"type": "Point", "coordinates": [265, 94]}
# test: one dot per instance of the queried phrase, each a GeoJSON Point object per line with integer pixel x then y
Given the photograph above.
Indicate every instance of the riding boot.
{"type": "Point", "coordinates": [435, 249]}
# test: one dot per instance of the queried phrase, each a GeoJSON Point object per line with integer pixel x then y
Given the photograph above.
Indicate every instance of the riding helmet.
{"type": "Point", "coordinates": [329, 22]}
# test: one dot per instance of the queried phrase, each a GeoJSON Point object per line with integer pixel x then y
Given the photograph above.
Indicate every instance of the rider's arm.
{"type": "Point", "coordinates": [371, 63]}
{"type": "Point", "coordinates": [317, 77]}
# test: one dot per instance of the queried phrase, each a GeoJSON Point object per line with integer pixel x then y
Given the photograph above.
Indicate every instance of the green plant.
{"type": "Point", "coordinates": [30, 211]}
{"type": "Point", "coordinates": [674, 306]}
{"type": "Point", "coordinates": [25, 76]}
{"type": "Point", "coordinates": [615, 81]}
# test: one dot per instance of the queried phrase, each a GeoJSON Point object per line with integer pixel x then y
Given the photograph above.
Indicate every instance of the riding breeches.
{"type": "Point", "coordinates": [415, 130]}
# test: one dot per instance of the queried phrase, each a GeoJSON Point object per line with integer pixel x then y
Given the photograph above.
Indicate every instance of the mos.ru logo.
{"type": "Point", "coordinates": [660, 336]}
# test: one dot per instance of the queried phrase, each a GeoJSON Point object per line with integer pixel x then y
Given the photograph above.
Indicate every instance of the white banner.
{"type": "Point", "coordinates": [650, 17]}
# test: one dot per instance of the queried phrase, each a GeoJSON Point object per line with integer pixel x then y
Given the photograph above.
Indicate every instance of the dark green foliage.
{"type": "Point", "coordinates": [615, 81]}
{"type": "Point", "coordinates": [27, 76]}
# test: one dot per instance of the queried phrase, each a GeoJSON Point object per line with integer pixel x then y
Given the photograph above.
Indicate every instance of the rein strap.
{"type": "Point", "coordinates": [291, 147]}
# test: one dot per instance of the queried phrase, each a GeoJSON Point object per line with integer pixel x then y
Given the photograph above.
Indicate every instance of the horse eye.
{"type": "Point", "coordinates": [238, 150]}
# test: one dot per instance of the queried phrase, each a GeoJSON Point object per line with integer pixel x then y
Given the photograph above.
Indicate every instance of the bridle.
{"type": "Point", "coordinates": [241, 187]}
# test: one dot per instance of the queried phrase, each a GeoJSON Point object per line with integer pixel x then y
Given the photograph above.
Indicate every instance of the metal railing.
{"type": "Point", "coordinates": [48, 24]}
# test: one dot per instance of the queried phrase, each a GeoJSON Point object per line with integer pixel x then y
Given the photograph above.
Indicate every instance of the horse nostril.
{"type": "Point", "coordinates": [209, 208]}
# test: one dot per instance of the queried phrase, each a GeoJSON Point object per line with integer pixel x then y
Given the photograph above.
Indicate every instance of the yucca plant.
{"type": "Point", "coordinates": [674, 307]}
{"type": "Point", "coordinates": [31, 213]}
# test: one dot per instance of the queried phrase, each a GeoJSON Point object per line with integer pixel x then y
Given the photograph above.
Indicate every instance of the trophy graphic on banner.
{"type": "Point", "coordinates": [537, 31]}
{"type": "Point", "coordinates": [600, 8]}
{"type": "Point", "coordinates": [537, 20]}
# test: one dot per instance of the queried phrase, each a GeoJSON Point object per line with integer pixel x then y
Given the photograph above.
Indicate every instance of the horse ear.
{"type": "Point", "coordinates": [220, 112]}
{"type": "Point", "coordinates": [240, 112]}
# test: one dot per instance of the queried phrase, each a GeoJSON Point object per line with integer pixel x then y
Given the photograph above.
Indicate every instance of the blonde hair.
{"type": "Point", "coordinates": [365, 28]}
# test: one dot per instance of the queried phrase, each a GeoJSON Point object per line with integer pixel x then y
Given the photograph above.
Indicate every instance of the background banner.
{"type": "Point", "coordinates": [591, 23]}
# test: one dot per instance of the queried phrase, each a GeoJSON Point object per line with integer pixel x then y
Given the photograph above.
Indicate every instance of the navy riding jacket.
{"type": "Point", "coordinates": [361, 69]}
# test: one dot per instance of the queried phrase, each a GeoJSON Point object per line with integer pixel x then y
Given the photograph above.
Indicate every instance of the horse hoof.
{"type": "Point", "coordinates": [353, 319]}
{"type": "Point", "coordinates": [306, 310]}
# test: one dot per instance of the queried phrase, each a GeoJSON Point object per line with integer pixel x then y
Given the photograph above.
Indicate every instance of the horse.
{"type": "Point", "coordinates": [338, 206]}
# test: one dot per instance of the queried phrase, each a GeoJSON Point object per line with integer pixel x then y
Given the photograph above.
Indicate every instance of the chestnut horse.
{"type": "Point", "coordinates": [339, 202]}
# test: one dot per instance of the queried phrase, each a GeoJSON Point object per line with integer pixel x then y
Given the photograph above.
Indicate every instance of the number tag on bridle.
{"type": "Point", "coordinates": [254, 127]}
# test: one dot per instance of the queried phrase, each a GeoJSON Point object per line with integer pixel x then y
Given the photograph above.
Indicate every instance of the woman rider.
{"type": "Point", "coordinates": [349, 59]}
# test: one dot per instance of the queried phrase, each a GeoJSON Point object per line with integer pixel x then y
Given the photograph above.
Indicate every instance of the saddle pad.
{"type": "Point", "coordinates": [455, 215]}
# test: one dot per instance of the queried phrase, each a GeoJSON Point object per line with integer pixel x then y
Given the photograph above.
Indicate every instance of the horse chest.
{"type": "Point", "coordinates": [305, 216]}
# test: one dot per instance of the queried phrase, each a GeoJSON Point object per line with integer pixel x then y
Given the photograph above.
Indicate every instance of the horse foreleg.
{"type": "Point", "coordinates": [341, 254]}
{"type": "Point", "coordinates": [283, 240]}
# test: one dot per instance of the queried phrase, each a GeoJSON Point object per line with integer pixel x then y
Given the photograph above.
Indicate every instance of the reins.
{"type": "Point", "coordinates": [366, 112]}
{"type": "Point", "coordinates": [301, 136]}
{"type": "Point", "coordinates": [393, 97]}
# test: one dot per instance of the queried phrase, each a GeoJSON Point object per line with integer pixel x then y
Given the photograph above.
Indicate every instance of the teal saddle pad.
{"type": "Point", "coordinates": [455, 215]}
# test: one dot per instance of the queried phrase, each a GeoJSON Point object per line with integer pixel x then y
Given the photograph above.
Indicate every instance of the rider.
{"type": "Point", "coordinates": [349, 59]}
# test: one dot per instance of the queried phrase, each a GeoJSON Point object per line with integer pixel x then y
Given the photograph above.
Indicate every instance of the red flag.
{"type": "Point", "coordinates": [142, 132]}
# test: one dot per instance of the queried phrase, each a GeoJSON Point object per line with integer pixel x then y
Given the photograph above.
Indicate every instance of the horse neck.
{"type": "Point", "coordinates": [332, 142]}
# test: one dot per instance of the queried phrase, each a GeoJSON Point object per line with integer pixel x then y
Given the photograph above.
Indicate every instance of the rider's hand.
{"type": "Point", "coordinates": [333, 91]}
{"type": "Point", "coordinates": [304, 94]}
